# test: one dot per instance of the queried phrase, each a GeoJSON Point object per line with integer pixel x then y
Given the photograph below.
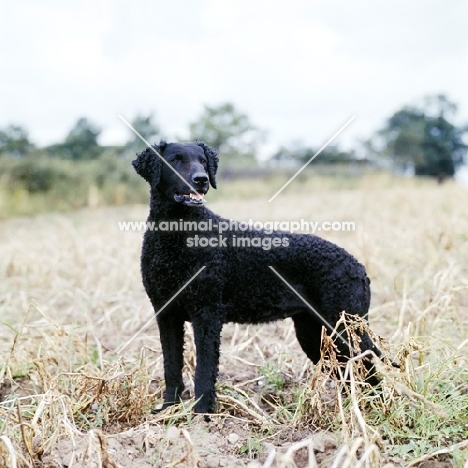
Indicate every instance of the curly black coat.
{"type": "Point", "coordinates": [236, 284]}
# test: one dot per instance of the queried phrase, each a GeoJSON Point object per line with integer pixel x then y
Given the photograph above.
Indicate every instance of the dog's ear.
{"type": "Point", "coordinates": [212, 162]}
{"type": "Point", "coordinates": [148, 163]}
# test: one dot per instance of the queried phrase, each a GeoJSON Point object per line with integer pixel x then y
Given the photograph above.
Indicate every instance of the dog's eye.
{"type": "Point", "coordinates": [177, 158]}
{"type": "Point", "coordinates": [203, 161]}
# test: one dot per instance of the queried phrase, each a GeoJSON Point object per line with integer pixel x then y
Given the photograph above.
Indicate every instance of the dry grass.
{"type": "Point", "coordinates": [71, 293]}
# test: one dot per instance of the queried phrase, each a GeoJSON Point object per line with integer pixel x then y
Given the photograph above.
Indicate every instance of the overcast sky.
{"type": "Point", "coordinates": [299, 69]}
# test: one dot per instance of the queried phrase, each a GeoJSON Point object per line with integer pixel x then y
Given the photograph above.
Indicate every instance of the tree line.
{"type": "Point", "coordinates": [222, 127]}
{"type": "Point", "coordinates": [422, 139]}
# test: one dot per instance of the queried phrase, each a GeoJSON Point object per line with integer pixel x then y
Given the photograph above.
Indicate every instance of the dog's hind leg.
{"type": "Point", "coordinates": [207, 334]}
{"type": "Point", "coordinates": [171, 333]}
{"type": "Point", "coordinates": [347, 351]}
{"type": "Point", "coordinates": [309, 334]}
{"type": "Point", "coordinates": [368, 345]}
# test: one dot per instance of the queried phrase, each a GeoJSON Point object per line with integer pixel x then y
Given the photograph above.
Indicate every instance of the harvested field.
{"type": "Point", "coordinates": [71, 294]}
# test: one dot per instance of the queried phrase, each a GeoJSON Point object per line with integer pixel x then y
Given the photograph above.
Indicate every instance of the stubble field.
{"type": "Point", "coordinates": [71, 294]}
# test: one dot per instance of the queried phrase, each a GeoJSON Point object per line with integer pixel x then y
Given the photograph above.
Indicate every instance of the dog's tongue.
{"type": "Point", "coordinates": [196, 196]}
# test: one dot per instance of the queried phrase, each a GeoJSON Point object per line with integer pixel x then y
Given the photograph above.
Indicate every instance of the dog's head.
{"type": "Point", "coordinates": [181, 172]}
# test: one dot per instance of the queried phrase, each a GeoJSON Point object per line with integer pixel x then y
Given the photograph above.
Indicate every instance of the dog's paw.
{"type": "Point", "coordinates": [162, 407]}
{"type": "Point", "coordinates": [158, 409]}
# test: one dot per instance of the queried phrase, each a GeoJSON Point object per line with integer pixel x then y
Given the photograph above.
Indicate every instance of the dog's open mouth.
{"type": "Point", "coordinates": [193, 198]}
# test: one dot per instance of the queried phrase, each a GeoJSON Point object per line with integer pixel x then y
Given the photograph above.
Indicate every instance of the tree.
{"type": "Point", "coordinates": [425, 138]}
{"type": "Point", "coordinates": [147, 128]}
{"type": "Point", "coordinates": [229, 132]}
{"type": "Point", "coordinates": [14, 141]}
{"type": "Point", "coordinates": [81, 143]}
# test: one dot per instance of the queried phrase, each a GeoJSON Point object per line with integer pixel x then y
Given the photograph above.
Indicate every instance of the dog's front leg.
{"type": "Point", "coordinates": [171, 333]}
{"type": "Point", "coordinates": [207, 333]}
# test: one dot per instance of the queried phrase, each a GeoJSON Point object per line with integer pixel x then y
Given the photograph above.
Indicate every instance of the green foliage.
{"type": "Point", "coordinates": [417, 429]}
{"type": "Point", "coordinates": [14, 141]}
{"type": "Point", "coordinates": [425, 138]}
{"type": "Point", "coordinates": [147, 128]}
{"type": "Point", "coordinates": [253, 447]}
{"type": "Point", "coordinates": [81, 143]}
{"type": "Point", "coordinates": [273, 377]}
{"type": "Point", "coordinates": [35, 174]}
{"type": "Point", "coordinates": [35, 184]}
{"type": "Point", "coordinates": [80, 172]}
{"type": "Point", "coordinates": [229, 132]}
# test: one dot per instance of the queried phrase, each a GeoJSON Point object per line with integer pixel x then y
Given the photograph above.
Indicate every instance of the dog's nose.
{"type": "Point", "coordinates": [200, 178]}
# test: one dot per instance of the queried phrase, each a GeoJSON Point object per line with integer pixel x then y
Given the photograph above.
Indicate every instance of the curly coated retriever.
{"type": "Point", "coordinates": [236, 284]}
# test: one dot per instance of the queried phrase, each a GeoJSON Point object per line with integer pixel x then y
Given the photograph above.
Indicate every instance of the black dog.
{"type": "Point", "coordinates": [236, 284]}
